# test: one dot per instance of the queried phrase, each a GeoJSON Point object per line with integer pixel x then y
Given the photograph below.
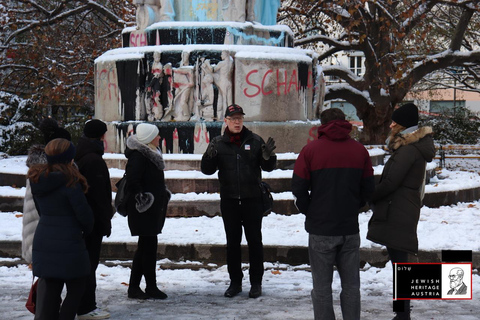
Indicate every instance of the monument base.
{"type": "Point", "coordinates": [193, 137]}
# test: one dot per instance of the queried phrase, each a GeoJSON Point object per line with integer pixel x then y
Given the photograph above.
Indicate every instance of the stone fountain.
{"type": "Point", "coordinates": [186, 61]}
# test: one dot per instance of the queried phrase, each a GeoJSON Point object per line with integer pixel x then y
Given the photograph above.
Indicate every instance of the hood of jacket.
{"type": "Point", "coordinates": [48, 183]}
{"type": "Point", "coordinates": [86, 145]}
{"type": "Point", "coordinates": [335, 130]}
{"type": "Point", "coordinates": [155, 157]}
{"type": "Point", "coordinates": [421, 139]}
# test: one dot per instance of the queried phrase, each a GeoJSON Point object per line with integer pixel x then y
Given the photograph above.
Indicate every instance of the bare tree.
{"type": "Point", "coordinates": [48, 47]}
{"type": "Point", "coordinates": [404, 42]}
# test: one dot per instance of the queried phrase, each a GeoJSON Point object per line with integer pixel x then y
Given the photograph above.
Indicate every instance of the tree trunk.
{"type": "Point", "coordinates": [376, 125]}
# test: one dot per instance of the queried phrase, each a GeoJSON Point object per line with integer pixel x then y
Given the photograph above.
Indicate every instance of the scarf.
{"type": "Point", "coordinates": [235, 137]}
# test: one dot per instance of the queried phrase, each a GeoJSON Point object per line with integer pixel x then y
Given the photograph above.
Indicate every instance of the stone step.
{"type": "Point", "coordinates": [285, 161]}
{"type": "Point", "coordinates": [283, 203]}
{"type": "Point", "coordinates": [216, 253]}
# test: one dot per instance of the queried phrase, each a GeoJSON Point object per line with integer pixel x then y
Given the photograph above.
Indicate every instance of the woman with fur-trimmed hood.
{"type": "Point", "coordinates": [147, 199]}
{"type": "Point", "coordinates": [398, 197]}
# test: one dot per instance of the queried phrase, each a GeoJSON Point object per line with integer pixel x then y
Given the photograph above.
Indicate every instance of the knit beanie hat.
{"type": "Point", "coordinates": [406, 115]}
{"type": "Point", "coordinates": [94, 128]}
{"type": "Point", "coordinates": [146, 132]}
{"type": "Point", "coordinates": [60, 133]}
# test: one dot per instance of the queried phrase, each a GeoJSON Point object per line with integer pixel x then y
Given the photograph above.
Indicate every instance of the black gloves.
{"type": "Point", "coordinates": [267, 148]}
{"type": "Point", "coordinates": [211, 150]}
{"type": "Point", "coordinates": [144, 201]}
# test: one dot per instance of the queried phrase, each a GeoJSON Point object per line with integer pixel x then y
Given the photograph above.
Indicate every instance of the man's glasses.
{"type": "Point", "coordinates": [236, 119]}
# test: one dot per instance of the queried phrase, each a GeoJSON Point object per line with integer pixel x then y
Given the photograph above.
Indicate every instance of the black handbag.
{"type": "Point", "coordinates": [267, 198]}
{"type": "Point", "coordinates": [121, 196]}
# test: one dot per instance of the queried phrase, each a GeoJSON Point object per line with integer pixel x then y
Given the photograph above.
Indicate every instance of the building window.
{"type": "Point", "coordinates": [356, 65]}
{"type": "Point", "coordinates": [446, 106]}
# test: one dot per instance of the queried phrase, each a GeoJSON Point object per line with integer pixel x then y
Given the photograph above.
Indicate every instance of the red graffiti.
{"type": "Point", "coordinates": [106, 83]}
{"type": "Point", "coordinates": [138, 39]}
{"type": "Point", "coordinates": [312, 134]}
{"type": "Point", "coordinates": [196, 136]}
{"type": "Point", "coordinates": [286, 81]}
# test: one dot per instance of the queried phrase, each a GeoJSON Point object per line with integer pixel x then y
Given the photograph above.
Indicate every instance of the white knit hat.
{"type": "Point", "coordinates": [146, 132]}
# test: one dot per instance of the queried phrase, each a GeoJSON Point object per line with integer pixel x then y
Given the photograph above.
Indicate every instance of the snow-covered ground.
{"type": "Point", "coordinates": [197, 293]}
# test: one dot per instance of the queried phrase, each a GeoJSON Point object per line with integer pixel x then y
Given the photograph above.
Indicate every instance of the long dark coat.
{"type": "Point", "coordinates": [99, 196]}
{"type": "Point", "coordinates": [59, 250]}
{"type": "Point", "coordinates": [396, 201]}
{"type": "Point", "coordinates": [145, 174]}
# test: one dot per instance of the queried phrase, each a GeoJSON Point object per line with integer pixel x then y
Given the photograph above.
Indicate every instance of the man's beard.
{"type": "Point", "coordinates": [455, 283]}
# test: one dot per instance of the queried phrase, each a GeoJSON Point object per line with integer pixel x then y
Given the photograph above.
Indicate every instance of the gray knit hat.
{"type": "Point", "coordinates": [146, 132]}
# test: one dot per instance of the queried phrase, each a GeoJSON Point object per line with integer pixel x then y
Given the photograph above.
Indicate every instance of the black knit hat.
{"type": "Point", "coordinates": [406, 115]}
{"type": "Point", "coordinates": [60, 133]}
{"type": "Point", "coordinates": [94, 128]}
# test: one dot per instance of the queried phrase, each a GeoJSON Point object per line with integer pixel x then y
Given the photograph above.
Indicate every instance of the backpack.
{"type": "Point", "coordinates": [121, 196]}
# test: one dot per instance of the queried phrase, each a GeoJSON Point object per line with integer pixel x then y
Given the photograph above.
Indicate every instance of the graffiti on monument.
{"type": "Point", "coordinates": [106, 84]}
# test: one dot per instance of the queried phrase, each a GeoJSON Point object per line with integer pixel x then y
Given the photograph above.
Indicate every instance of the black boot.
{"type": "Point", "coordinates": [137, 293]}
{"type": "Point", "coordinates": [402, 316]}
{"type": "Point", "coordinates": [255, 291]}
{"type": "Point", "coordinates": [156, 293]}
{"type": "Point", "coordinates": [233, 290]}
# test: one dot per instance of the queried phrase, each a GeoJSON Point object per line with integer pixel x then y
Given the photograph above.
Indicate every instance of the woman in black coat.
{"type": "Point", "coordinates": [146, 207]}
{"type": "Point", "coordinates": [59, 253]}
{"type": "Point", "coordinates": [398, 197]}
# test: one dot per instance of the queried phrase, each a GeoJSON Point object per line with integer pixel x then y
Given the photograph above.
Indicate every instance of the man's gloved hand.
{"type": "Point", "coordinates": [267, 148]}
{"type": "Point", "coordinates": [211, 150]}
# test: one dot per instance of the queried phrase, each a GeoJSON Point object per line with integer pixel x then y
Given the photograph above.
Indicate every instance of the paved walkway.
{"type": "Point", "coordinates": [198, 294]}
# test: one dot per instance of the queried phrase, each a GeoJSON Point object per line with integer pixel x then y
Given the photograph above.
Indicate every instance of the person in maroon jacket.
{"type": "Point", "coordinates": [332, 180]}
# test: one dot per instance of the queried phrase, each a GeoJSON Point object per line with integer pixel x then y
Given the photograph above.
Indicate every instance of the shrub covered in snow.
{"type": "Point", "coordinates": [459, 125]}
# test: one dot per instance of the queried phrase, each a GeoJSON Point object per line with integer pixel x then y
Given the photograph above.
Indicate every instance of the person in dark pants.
{"type": "Point", "coordinates": [59, 255]}
{"type": "Point", "coordinates": [147, 200]}
{"type": "Point", "coordinates": [89, 160]}
{"type": "Point", "coordinates": [239, 155]}
{"type": "Point", "coordinates": [398, 197]}
{"type": "Point", "coordinates": [332, 180]}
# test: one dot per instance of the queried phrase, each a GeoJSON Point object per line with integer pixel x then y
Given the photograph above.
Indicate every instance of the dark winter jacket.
{"type": "Point", "coordinates": [338, 172]}
{"type": "Point", "coordinates": [65, 217]}
{"type": "Point", "coordinates": [99, 196]}
{"type": "Point", "coordinates": [36, 155]}
{"type": "Point", "coordinates": [396, 202]}
{"type": "Point", "coordinates": [145, 174]}
{"type": "Point", "coordinates": [239, 168]}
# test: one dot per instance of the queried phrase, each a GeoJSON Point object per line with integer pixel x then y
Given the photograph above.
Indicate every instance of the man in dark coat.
{"type": "Point", "coordinates": [240, 155]}
{"type": "Point", "coordinates": [332, 180]}
{"type": "Point", "coordinates": [89, 160]}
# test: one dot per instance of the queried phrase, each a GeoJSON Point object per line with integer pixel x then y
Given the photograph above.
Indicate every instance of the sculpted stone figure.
{"type": "Point", "coordinates": [184, 83]}
{"type": "Point", "coordinates": [205, 102]}
{"type": "Point", "coordinates": [234, 10]}
{"type": "Point", "coordinates": [167, 89]}
{"type": "Point", "coordinates": [151, 11]}
{"type": "Point", "coordinates": [153, 104]}
{"type": "Point", "coordinates": [222, 77]}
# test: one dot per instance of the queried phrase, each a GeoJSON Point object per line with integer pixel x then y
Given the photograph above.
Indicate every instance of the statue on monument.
{"type": "Point", "coordinates": [222, 77]}
{"type": "Point", "coordinates": [153, 103]}
{"type": "Point", "coordinates": [205, 104]}
{"type": "Point", "coordinates": [234, 10]}
{"type": "Point", "coordinates": [151, 11]}
{"type": "Point", "coordinates": [183, 82]}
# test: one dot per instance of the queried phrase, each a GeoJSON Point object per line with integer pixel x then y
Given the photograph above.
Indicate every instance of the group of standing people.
{"type": "Point", "coordinates": [69, 190]}
{"type": "Point", "coordinates": [68, 210]}
{"type": "Point", "coordinates": [333, 180]}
